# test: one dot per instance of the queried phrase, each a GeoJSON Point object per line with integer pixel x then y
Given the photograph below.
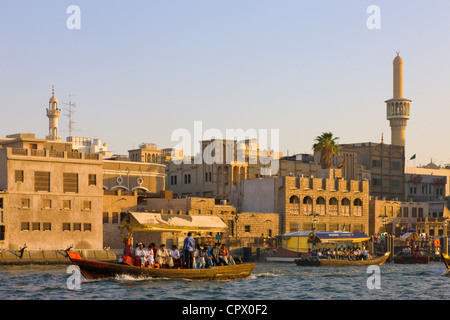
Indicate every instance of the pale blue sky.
{"type": "Point", "coordinates": [138, 70]}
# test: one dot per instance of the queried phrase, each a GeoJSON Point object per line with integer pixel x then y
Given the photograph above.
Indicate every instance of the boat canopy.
{"type": "Point", "coordinates": [146, 221]}
{"type": "Point", "coordinates": [300, 241]}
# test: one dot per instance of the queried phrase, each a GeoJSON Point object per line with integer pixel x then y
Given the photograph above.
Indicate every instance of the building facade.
{"type": "Point", "coordinates": [50, 198]}
{"type": "Point", "coordinates": [306, 204]}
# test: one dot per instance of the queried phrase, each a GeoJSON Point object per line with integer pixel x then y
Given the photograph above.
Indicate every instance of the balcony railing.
{"type": "Point", "coordinates": [52, 154]}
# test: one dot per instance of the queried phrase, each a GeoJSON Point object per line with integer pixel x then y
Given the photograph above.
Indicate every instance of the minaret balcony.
{"type": "Point", "coordinates": [53, 113]}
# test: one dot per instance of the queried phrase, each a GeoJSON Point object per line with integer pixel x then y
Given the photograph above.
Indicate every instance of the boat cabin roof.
{"type": "Point", "coordinates": [146, 221]}
{"type": "Point", "coordinates": [328, 236]}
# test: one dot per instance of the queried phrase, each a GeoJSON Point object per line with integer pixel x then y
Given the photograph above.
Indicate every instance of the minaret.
{"type": "Point", "coordinates": [53, 113]}
{"type": "Point", "coordinates": [398, 107]}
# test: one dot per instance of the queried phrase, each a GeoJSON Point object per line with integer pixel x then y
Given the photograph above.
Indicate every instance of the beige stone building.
{"type": "Point", "coordinates": [127, 185]}
{"type": "Point", "coordinates": [381, 164]}
{"type": "Point", "coordinates": [310, 203]}
{"type": "Point", "coordinates": [51, 197]}
{"type": "Point", "coordinates": [395, 217]}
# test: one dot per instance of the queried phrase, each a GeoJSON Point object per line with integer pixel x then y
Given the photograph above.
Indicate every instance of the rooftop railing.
{"type": "Point", "coordinates": [52, 154]}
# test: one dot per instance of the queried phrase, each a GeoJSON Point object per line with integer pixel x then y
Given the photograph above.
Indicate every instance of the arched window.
{"type": "Point", "coordinates": [294, 199]}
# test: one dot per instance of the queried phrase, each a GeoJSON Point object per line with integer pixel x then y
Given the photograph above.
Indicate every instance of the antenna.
{"type": "Point", "coordinates": [70, 113]}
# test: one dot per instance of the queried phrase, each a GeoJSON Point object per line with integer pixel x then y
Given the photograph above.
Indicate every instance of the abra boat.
{"type": "Point", "coordinates": [101, 270]}
{"type": "Point", "coordinates": [313, 261]}
{"type": "Point", "coordinates": [412, 258]}
{"type": "Point", "coordinates": [446, 259]}
{"type": "Point", "coordinates": [151, 222]}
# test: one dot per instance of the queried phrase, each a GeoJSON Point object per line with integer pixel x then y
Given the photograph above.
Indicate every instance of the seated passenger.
{"type": "Point", "coordinates": [199, 257]}
{"type": "Point", "coordinates": [175, 254]}
{"type": "Point", "coordinates": [140, 253]}
{"type": "Point", "coordinates": [224, 255]}
{"type": "Point", "coordinates": [163, 257]}
{"type": "Point", "coordinates": [214, 251]}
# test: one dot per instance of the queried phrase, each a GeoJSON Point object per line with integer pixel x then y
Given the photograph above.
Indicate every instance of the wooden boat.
{"type": "Point", "coordinates": [100, 270]}
{"type": "Point", "coordinates": [446, 259]}
{"type": "Point", "coordinates": [340, 263]}
{"type": "Point", "coordinates": [412, 258]}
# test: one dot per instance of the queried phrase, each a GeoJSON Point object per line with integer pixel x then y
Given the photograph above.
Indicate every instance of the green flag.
{"type": "Point", "coordinates": [413, 157]}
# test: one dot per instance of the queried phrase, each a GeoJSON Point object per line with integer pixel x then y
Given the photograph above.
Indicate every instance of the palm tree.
{"type": "Point", "coordinates": [327, 145]}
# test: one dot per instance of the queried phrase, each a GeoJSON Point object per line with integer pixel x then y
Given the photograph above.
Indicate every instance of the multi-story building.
{"type": "Point", "coordinates": [395, 217]}
{"type": "Point", "coordinates": [310, 203]}
{"type": "Point", "coordinates": [51, 197]}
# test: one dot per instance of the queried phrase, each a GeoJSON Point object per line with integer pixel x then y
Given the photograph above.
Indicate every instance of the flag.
{"type": "Point", "coordinates": [342, 164]}
{"type": "Point", "coordinates": [413, 157]}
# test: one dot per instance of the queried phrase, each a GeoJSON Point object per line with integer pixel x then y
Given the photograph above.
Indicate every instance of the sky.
{"type": "Point", "coordinates": [139, 70]}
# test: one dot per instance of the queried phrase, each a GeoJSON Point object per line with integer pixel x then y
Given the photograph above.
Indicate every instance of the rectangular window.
{"type": "Point", "coordinates": [1, 203]}
{"type": "Point", "coordinates": [25, 226]}
{"type": "Point", "coordinates": [420, 212]}
{"type": "Point", "coordinates": [405, 212]}
{"type": "Point", "coordinates": [70, 182]}
{"type": "Point", "coordinates": [395, 183]}
{"type": "Point", "coordinates": [376, 163]}
{"type": "Point", "coordinates": [87, 227]}
{"type": "Point", "coordinates": [25, 203]}
{"type": "Point", "coordinates": [47, 204]}
{"type": "Point", "coordinates": [66, 204]}
{"type": "Point", "coordinates": [247, 228]}
{"type": "Point", "coordinates": [2, 233]}
{"type": "Point", "coordinates": [77, 226]}
{"type": "Point", "coordinates": [376, 182]}
{"type": "Point", "coordinates": [46, 226]}
{"type": "Point", "coordinates": [66, 226]}
{"type": "Point", "coordinates": [105, 217]}
{"type": "Point", "coordinates": [395, 165]}
{"type": "Point", "coordinates": [87, 205]}
{"type": "Point", "coordinates": [19, 175]}
{"type": "Point", "coordinates": [36, 226]}
{"type": "Point", "coordinates": [187, 179]}
{"type": "Point", "coordinates": [414, 212]}
{"type": "Point", "coordinates": [92, 179]}
{"type": "Point", "coordinates": [42, 181]}
{"type": "Point", "coordinates": [115, 217]}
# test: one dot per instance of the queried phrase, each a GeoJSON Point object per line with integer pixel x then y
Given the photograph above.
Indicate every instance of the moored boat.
{"type": "Point", "coordinates": [101, 270]}
{"type": "Point", "coordinates": [313, 261]}
{"type": "Point", "coordinates": [412, 258]}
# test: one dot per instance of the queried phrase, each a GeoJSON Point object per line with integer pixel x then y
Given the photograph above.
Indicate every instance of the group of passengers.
{"type": "Point", "coordinates": [191, 256]}
{"type": "Point", "coordinates": [349, 253]}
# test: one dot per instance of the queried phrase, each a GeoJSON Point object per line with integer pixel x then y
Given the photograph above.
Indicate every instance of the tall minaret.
{"type": "Point", "coordinates": [53, 113]}
{"type": "Point", "coordinates": [398, 107]}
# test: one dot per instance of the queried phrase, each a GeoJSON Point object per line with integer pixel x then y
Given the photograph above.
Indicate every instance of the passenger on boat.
{"type": "Point", "coordinates": [150, 256]}
{"type": "Point", "coordinates": [188, 250]}
{"type": "Point", "coordinates": [208, 257]}
{"type": "Point", "coordinates": [154, 248]}
{"type": "Point", "coordinates": [215, 250]}
{"type": "Point", "coordinates": [199, 257]}
{"type": "Point", "coordinates": [163, 257]}
{"type": "Point", "coordinates": [224, 255]}
{"type": "Point", "coordinates": [175, 254]}
{"type": "Point", "coordinates": [140, 253]}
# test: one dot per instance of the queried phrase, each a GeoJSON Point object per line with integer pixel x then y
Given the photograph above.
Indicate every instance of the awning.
{"type": "Point", "coordinates": [330, 236]}
{"type": "Point", "coordinates": [146, 221]}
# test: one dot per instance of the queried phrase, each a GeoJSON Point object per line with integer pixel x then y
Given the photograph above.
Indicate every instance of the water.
{"type": "Point", "coordinates": [269, 281]}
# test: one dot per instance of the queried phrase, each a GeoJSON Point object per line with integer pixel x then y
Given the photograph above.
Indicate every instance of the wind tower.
{"type": "Point", "coordinates": [397, 108]}
{"type": "Point", "coordinates": [53, 113]}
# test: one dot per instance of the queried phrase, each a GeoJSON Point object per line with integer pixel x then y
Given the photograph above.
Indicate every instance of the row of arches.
{"type": "Point", "coordinates": [321, 200]}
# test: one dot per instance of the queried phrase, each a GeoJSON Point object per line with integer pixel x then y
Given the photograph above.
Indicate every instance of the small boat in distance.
{"type": "Point", "coordinates": [101, 270]}
{"type": "Point", "coordinates": [314, 261]}
{"type": "Point", "coordinates": [412, 258]}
